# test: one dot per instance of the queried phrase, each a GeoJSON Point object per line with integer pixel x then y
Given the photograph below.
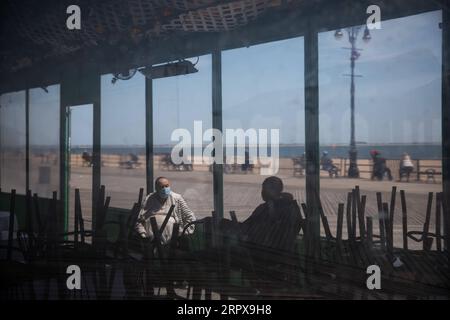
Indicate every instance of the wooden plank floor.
{"type": "Point", "coordinates": [242, 195]}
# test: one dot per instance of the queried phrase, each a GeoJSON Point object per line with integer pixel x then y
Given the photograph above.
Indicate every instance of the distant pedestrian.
{"type": "Point", "coordinates": [406, 167]}
{"type": "Point", "coordinates": [87, 159]}
{"type": "Point", "coordinates": [327, 165]}
{"type": "Point", "coordinates": [379, 168]}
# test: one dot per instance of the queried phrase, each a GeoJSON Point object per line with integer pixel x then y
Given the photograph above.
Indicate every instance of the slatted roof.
{"type": "Point", "coordinates": [36, 48]}
{"type": "Point", "coordinates": [33, 31]}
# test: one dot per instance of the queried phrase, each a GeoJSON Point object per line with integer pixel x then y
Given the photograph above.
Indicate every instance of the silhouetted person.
{"type": "Point", "coordinates": [327, 164]}
{"type": "Point", "coordinates": [379, 168]}
{"type": "Point", "coordinates": [271, 230]}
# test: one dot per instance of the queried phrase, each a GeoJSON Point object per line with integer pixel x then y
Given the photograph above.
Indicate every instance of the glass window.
{"type": "Point", "coordinates": [44, 140]}
{"type": "Point", "coordinates": [397, 117]}
{"type": "Point", "coordinates": [263, 90]}
{"type": "Point", "coordinates": [80, 121]}
{"type": "Point", "coordinates": [12, 142]}
{"type": "Point", "coordinates": [123, 138]}
{"type": "Point", "coordinates": [180, 102]}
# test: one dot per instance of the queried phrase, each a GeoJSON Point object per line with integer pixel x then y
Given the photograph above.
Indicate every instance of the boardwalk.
{"type": "Point", "coordinates": [242, 194]}
{"type": "Point", "coordinates": [424, 273]}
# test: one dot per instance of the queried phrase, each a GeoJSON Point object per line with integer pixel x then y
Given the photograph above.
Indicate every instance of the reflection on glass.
{"type": "Point", "coordinates": [44, 140]}
{"type": "Point", "coordinates": [178, 102]}
{"type": "Point", "coordinates": [123, 138]}
{"type": "Point", "coordinates": [263, 89]}
{"type": "Point", "coordinates": [80, 120]}
{"type": "Point", "coordinates": [12, 142]}
{"type": "Point", "coordinates": [397, 119]}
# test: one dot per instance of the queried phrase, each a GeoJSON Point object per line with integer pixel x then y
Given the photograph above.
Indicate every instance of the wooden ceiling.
{"type": "Point", "coordinates": [33, 31]}
{"type": "Point", "coordinates": [37, 48]}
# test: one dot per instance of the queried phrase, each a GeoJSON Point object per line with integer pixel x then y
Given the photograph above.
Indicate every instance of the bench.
{"type": "Point", "coordinates": [298, 167]}
{"type": "Point", "coordinates": [430, 173]}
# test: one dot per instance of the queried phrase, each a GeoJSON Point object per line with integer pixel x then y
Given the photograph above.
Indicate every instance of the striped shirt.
{"type": "Point", "coordinates": [152, 206]}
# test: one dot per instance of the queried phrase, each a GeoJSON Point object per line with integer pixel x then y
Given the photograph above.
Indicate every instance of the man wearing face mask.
{"type": "Point", "coordinates": [157, 204]}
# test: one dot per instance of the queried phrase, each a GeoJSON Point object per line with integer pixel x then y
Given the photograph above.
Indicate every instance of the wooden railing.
{"type": "Point", "coordinates": [424, 170]}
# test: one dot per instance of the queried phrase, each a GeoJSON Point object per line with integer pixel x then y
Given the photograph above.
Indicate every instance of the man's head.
{"type": "Point", "coordinates": [162, 187]}
{"type": "Point", "coordinates": [271, 188]}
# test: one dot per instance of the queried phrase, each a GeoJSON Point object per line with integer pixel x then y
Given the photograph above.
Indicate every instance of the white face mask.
{"type": "Point", "coordinates": [164, 192]}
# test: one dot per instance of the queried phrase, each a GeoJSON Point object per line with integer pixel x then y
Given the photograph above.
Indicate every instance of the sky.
{"type": "Point", "coordinates": [398, 97]}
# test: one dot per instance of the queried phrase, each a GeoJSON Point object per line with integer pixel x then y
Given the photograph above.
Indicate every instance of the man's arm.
{"type": "Point", "coordinates": [251, 222]}
{"type": "Point", "coordinates": [296, 218]}
{"type": "Point", "coordinates": [187, 216]}
{"type": "Point", "coordinates": [140, 222]}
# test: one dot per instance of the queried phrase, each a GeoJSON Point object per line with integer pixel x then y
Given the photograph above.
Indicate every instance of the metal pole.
{"type": "Point", "coordinates": [446, 121]}
{"type": "Point", "coordinates": [63, 160]}
{"type": "Point", "coordinates": [149, 134]}
{"type": "Point", "coordinates": [311, 57]}
{"type": "Point", "coordinates": [353, 171]}
{"type": "Point", "coordinates": [96, 154]}
{"type": "Point", "coordinates": [1, 148]}
{"type": "Point", "coordinates": [27, 140]}
{"type": "Point", "coordinates": [217, 124]}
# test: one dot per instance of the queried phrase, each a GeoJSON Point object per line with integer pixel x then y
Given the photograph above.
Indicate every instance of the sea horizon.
{"type": "Point", "coordinates": [424, 151]}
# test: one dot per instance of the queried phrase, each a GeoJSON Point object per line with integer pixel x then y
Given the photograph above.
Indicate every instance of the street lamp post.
{"type": "Point", "coordinates": [353, 171]}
